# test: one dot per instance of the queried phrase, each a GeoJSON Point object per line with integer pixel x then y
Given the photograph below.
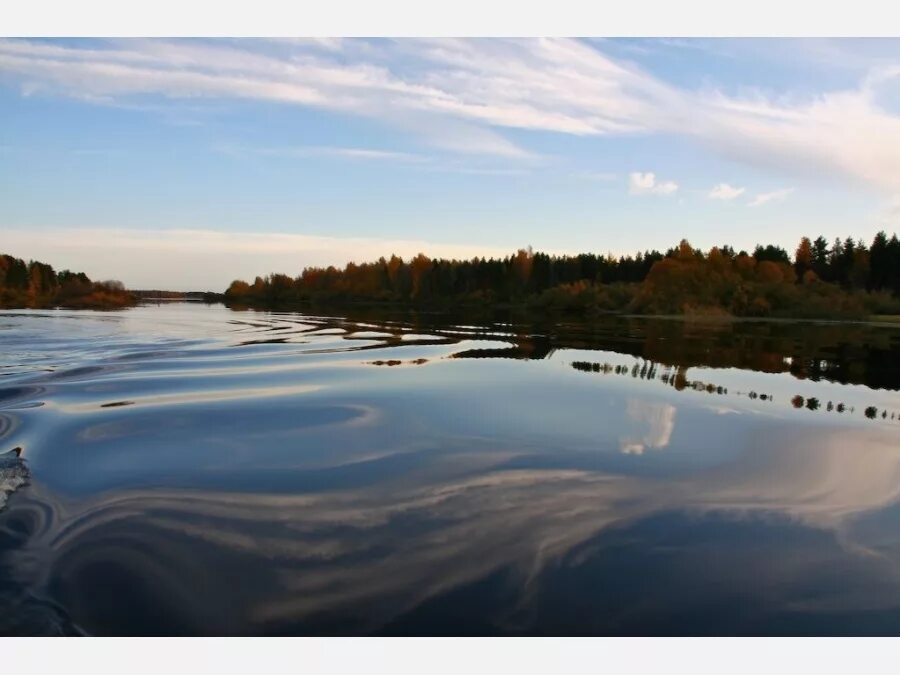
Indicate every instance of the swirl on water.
{"type": "Point", "coordinates": [188, 469]}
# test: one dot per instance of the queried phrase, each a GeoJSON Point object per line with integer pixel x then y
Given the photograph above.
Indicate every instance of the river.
{"type": "Point", "coordinates": [188, 469]}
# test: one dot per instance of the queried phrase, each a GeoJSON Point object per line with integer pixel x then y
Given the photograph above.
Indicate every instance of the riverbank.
{"type": "Point", "coordinates": [683, 280]}
{"type": "Point", "coordinates": [36, 285]}
{"type": "Point", "coordinates": [530, 309]}
{"type": "Point", "coordinates": [96, 299]}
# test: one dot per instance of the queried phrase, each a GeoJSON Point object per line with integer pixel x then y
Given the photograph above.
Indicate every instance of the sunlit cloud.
{"type": "Point", "coordinates": [647, 184]}
{"type": "Point", "coordinates": [726, 192]}
{"type": "Point", "coordinates": [771, 197]}
{"type": "Point", "coordinates": [312, 151]}
{"type": "Point", "coordinates": [461, 95]}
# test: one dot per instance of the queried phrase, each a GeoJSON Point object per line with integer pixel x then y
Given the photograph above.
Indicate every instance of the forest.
{"type": "Point", "coordinates": [37, 285]}
{"type": "Point", "coordinates": [843, 279]}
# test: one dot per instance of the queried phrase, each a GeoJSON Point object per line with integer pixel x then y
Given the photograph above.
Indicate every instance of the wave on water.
{"type": "Point", "coordinates": [13, 474]}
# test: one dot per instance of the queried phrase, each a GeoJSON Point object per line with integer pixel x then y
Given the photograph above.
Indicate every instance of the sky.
{"type": "Point", "coordinates": [183, 164]}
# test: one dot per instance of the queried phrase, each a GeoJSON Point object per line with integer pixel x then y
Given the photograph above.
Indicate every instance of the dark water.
{"type": "Point", "coordinates": [186, 469]}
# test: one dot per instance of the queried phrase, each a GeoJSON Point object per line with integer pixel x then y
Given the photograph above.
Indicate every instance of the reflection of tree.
{"type": "Point", "coordinates": [842, 353]}
{"type": "Point", "coordinates": [845, 353]}
{"type": "Point", "coordinates": [678, 380]}
{"type": "Point", "coordinates": [398, 362]}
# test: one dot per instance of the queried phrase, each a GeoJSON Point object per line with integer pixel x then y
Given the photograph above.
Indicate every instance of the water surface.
{"type": "Point", "coordinates": [189, 469]}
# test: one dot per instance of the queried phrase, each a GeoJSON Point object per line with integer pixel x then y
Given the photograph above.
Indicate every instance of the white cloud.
{"type": "Point", "coordinates": [460, 95]}
{"type": "Point", "coordinates": [725, 192]}
{"type": "Point", "coordinates": [646, 184]}
{"type": "Point", "coordinates": [770, 197]}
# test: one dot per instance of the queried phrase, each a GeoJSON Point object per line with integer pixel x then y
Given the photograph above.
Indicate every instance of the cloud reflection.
{"type": "Point", "coordinates": [659, 419]}
{"type": "Point", "coordinates": [235, 497]}
{"type": "Point", "coordinates": [253, 563]}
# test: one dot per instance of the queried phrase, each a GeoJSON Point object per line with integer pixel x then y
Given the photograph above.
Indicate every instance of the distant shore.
{"type": "Point", "coordinates": [845, 280]}
{"type": "Point", "coordinates": [36, 285]}
{"type": "Point", "coordinates": [858, 311]}
{"type": "Point", "coordinates": [527, 312]}
{"type": "Point", "coordinates": [95, 300]}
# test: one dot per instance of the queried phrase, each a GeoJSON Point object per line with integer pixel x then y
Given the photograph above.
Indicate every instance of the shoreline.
{"type": "Point", "coordinates": [887, 320]}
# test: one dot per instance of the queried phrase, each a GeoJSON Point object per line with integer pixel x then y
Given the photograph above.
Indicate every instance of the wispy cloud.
{"type": "Point", "coordinates": [599, 176]}
{"type": "Point", "coordinates": [421, 162]}
{"type": "Point", "coordinates": [725, 192]}
{"type": "Point", "coordinates": [321, 151]}
{"type": "Point", "coordinates": [646, 184]}
{"type": "Point", "coordinates": [770, 197]}
{"type": "Point", "coordinates": [460, 95]}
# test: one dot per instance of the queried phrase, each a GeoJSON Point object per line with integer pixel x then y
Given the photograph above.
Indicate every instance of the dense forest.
{"type": "Point", "coordinates": [37, 284]}
{"type": "Point", "coordinates": [846, 279]}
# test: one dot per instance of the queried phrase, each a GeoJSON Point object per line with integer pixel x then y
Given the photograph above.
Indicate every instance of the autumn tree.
{"type": "Point", "coordinates": [803, 258]}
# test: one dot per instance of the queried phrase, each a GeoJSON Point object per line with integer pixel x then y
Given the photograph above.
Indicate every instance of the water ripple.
{"type": "Point", "coordinates": [187, 469]}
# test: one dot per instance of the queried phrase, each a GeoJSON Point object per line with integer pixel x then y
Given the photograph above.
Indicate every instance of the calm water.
{"type": "Point", "coordinates": [188, 469]}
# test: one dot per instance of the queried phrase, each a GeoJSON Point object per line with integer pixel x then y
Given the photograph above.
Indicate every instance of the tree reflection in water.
{"type": "Point", "coordinates": [678, 380]}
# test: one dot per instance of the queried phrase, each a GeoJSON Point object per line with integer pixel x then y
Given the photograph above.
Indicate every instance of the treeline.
{"type": "Point", "coordinates": [201, 296]}
{"type": "Point", "coordinates": [845, 278]}
{"type": "Point", "coordinates": [36, 284]}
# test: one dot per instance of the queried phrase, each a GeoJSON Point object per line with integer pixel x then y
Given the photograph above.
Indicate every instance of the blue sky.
{"type": "Point", "coordinates": [186, 163]}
